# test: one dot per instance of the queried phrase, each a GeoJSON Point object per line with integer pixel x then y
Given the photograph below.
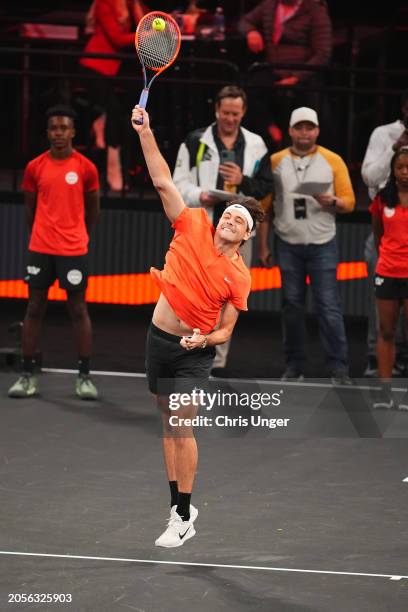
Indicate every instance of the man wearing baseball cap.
{"type": "Point", "coordinates": [312, 184]}
{"type": "Point", "coordinates": [304, 114]}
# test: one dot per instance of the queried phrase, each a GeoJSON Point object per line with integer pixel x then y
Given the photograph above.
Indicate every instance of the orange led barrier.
{"type": "Point", "coordinates": [351, 270]}
{"type": "Point", "coordinates": [135, 289]}
{"type": "Point", "coordinates": [270, 278]}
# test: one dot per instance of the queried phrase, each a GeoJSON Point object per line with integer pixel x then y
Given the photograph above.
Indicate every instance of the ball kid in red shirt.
{"type": "Point", "coordinates": [61, 196]}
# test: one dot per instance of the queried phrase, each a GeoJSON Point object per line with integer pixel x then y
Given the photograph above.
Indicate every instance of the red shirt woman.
{"type": "Point", "coordinates": [390, 226]}
{"type": "Point", "coordinates": [113, 23]}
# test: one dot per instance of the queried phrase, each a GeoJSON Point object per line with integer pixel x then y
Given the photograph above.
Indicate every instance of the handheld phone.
{"type": "Point", "coordinates": [227, 156]}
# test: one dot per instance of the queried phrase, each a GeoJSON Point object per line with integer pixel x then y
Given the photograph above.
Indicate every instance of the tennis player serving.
{"type": "Point", "coordinates": [203, 272]}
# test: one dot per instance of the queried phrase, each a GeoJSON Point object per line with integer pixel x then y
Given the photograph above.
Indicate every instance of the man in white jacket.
{"type": "Point", "coordinates": [223, 157]}
{"type": "Point", "coordinates": [384, 141]}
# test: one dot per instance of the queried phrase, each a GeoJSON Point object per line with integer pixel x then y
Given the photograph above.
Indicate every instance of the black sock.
{"type": "Point", "coordinates": [173, 492]}
{"type": "Point", "coordinates": [183, 506]}
{"type": "Point", "coordinates": [83, 365]}
{"type": "Point", "coordinates": [28, 364]}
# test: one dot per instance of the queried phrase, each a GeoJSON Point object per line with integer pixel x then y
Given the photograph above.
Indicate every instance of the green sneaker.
{"type": "Point", "coordinates": [25, 386]}
{"type": "Point", "coordinates": [85, 389]}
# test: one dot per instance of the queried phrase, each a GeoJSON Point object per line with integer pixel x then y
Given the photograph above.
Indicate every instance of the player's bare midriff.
{"type": "Point", "coordinates": [166, 319]}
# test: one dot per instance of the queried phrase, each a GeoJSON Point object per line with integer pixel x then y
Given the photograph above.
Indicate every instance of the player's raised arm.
{"type": "Point", "coordinates": [158, 168]}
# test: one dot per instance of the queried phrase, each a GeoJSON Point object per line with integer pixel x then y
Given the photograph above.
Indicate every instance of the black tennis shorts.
{"type": "Point", "coordinates": [391, 288]}
{"type": "Point", "coordinates": [171, 368]}
{"type": "Point", "coordinates": [43, 269]}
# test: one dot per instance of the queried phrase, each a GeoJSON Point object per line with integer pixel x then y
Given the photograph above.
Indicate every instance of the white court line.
{"type": "Point", "coordinates": [96, 373]}
{"type": "Point", "coordinates": [191, 564]}
{"type": "Point", "coordinates": [262, 381]}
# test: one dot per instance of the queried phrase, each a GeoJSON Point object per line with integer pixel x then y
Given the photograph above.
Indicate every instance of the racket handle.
{"type": "Point", "coordinates": [142, 103]}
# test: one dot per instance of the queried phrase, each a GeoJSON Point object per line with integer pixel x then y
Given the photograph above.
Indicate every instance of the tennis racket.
{"type": "Point", "coordinates": [157, 42]}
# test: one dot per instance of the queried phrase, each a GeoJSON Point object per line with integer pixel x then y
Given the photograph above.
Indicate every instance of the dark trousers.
{"type": "Point", "coordinates": [319, 262]}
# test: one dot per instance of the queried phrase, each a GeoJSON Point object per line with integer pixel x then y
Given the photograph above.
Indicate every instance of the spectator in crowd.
{"type": "Point", "coordinates": [305, 241]}
{"type": "Point", "coordinates": [287, 31]}
{"type": "Point", "coordinates": [61, 195]}
{"type": "Point", "coordinates": [389, 212]}
{"type": "Point", "coordinates": [227, 157]}
{"type": "Point", "coordinates": [384, 142]}
{"type": "Point", "coordinates": [111, 23]}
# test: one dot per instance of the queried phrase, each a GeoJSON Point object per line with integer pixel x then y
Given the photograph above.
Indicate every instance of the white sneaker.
{"type": "Point", "coordinates": [382, 398]}
{"type": "Point", "coordinates": [178, 531]}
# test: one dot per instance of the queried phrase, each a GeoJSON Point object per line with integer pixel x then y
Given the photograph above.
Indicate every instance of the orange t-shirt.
{"type": "Point", "coordinates": [197, 280]}
{"type": "Point", "coordinates": [60, 184]}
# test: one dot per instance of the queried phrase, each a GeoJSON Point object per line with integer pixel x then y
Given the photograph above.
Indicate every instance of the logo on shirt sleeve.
{"type": "Point", "coordinates": [71, 178]}
{"type": "Point", "coordinates": [389, 212]}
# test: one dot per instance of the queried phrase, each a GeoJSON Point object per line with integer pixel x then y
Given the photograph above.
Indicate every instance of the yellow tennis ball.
{"type": "Point", "coordinates": [158, 24]}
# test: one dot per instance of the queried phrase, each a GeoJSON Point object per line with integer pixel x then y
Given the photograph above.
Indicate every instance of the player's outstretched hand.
{"type": "Point", "coordinates": [140, 119]}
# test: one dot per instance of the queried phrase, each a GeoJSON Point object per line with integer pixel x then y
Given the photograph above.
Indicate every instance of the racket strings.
{"type": "Point", "coordinates": [157, 48]}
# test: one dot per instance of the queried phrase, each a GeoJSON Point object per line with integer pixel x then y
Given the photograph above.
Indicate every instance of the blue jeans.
{"type": "Point", "coordinates": [319, 261]}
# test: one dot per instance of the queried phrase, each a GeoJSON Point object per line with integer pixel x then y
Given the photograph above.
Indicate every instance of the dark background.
{"type": "Point", "coordinates": [366, 36]}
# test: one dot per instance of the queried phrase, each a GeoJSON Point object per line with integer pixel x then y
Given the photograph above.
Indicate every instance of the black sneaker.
{"type": "Point", "coordinates": [399, 368]}
{"type": "Point", "coordinates": [371, 370]}
{"type": "Point", "coordinates": [292, 374]}
{"type": "Point", "coordinates": [341, 378]}
{"type": "Point", "coordinates": [382, 398]}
